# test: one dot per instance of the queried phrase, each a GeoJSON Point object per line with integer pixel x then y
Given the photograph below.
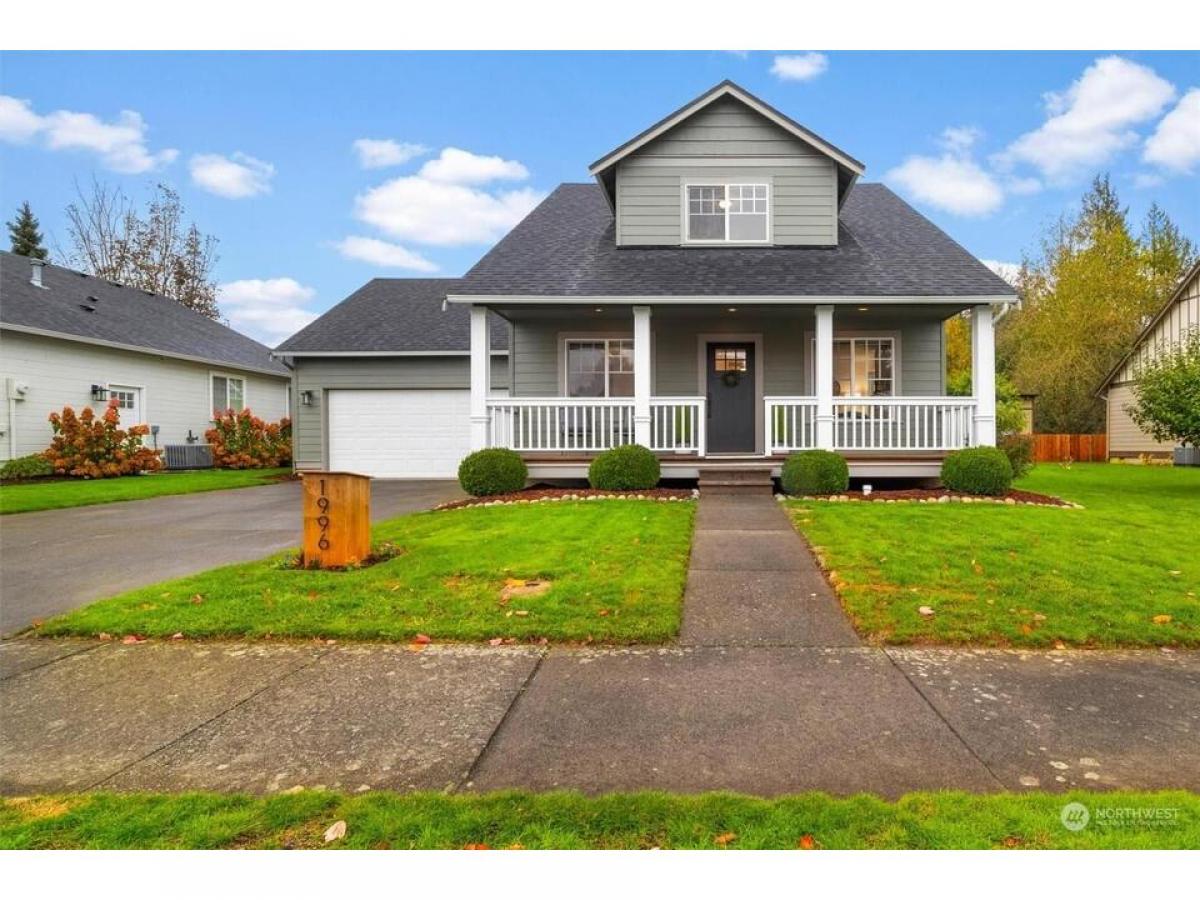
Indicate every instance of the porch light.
{"type": "Point", "coordinates": [864, 309]}
{"type": "Point", "coordinates": [99, 392]}
{"type": "Point", "coordinates": [733, 309]}
{"type": "Point", "coordinates": [599, 309]}
{"type": "Point", "coordinates": [306, 398]}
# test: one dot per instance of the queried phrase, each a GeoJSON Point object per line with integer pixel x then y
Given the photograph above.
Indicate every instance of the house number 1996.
{"type": "Point", "coordinates": [323, 519]}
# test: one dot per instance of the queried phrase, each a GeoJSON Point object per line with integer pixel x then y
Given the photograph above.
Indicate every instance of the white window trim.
{"type": "Point", "coordinates": [893, 336]}
{"type": "Point", "coordinates": [726, 183]}
{"type": "Point", "coordinates": [217, 373]}
{"type": "Point", "coordinates": [142, 405]}
{"type": "Point", "coordinates": [584, 337]}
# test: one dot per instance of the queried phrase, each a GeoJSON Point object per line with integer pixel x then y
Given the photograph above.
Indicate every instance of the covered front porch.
{"type": "Point", "coordinates": [732, 384]}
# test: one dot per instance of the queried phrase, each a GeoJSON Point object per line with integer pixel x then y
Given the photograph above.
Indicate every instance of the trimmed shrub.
{"type": "Point", "coordinates": [815, 472]}
{"type": "Point", "coordinates": [241, 440]}
{"type": "Point", "coordinates": [493, 471]}
{"type": "Point", "coordinates": [35, 465]}
{"type": "Point", "coordinates": [631, 467]}
{"type": "Point", "coordinates": [978, 470]}
{"type": "Point", "coordinates": [87, 446]}
{"type": "Point", "coordinates": [1019, 450]}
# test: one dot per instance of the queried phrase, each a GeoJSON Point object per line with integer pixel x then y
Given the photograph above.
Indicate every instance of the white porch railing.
{"type": "Point", "coordinates": [903, 423]}
{"type": "Point", "coordinates": [677, 424]}
{"type": "Point", "coordinates": [873, 423]}
{"type": "Point", "coordinates": [791, 424]}
{"type": "Point", "coordinates": [586, 424]}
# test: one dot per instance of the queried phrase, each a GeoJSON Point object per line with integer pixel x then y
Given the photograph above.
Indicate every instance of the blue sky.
{"type": "Point", "coordinates": [991, 146]}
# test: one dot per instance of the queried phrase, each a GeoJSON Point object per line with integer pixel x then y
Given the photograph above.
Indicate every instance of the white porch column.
{"type": "Point", "coordinates": [824, 375]}
{"type": "Point", "coordinates": [641, 375]}
{"type": "Point", "coordinates": [481, 376]}
{"type": "Point", "coordinates": [983, 375]}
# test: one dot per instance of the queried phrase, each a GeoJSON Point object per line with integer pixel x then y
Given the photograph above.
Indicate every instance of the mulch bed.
{"type": "Point", "coordinates": [540, 494]}
{"type": "Point", "coordinates": [936, 495]}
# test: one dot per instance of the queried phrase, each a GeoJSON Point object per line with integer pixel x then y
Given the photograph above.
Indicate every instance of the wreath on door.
{"type": "Point", "coordinates": [732, 378]}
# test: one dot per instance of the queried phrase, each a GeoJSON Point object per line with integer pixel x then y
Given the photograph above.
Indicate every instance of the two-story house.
{"type": "Point", "coordinates": [725, 293]}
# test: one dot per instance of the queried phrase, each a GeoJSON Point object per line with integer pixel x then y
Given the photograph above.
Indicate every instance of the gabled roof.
{"type": "Point", "coordinates": [849, 167]}
{"type": "Point", "coordinates": [565, 248]}
{"type": "Point", "coordinates": [1180, 289]}
{"type": "Point", "coordinates": [79, 307]}
{"type": "Point", "coordinates": [393, 316]}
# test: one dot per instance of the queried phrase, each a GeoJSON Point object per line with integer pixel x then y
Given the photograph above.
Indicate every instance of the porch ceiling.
{"type": "Point", "coordinates": [617, 316]}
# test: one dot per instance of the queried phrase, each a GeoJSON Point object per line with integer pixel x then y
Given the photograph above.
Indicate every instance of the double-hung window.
{"type": "Point", "coordinates": [228, 392]}
{"type": "Point", "coordinates": [727, 213]}
{"type": "Point", "coordinates": [602, 367]}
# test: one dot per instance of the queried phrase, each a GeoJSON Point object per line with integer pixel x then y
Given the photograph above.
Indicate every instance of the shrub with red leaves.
{"type": "Point", "coordinates": [241, 440]}
{"type": "Point", "coordinates": [91, 446]}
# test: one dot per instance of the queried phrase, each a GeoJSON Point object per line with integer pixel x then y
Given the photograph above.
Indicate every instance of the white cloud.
{"type": "Point", "coordinates": [383, 253]}
{"type": "Point", "coordinates": [454, 166]}
{"type": "Point", "coordinates": [380, 153]}
{"type": "Point", "coordinates": [120, 144]}
{"type": "Point", "coordinates": [1006, 270]}
{"type": "Point", "coordinates": [953, 181]}
{"type": "Point", "coordinates": [233, 176]}
{"type": "Point", "coordinates": [1017, 185]}
{"type": "Point", "coordinates": [427, 212]}
{"type": "Point", "coordinates": [1175, 144]}
{"type": "Point", "coordinates": [1091, 121]}
{"type": "Point", "coordinates": [1145, 180]}
{"type": "Point", "coordinates": [804, 67]}
{"type": "Point", "coordinates": [266, 309]}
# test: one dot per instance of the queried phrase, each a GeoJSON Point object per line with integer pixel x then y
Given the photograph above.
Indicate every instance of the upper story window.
{"type": "Point", "coordinates": [727, 213]}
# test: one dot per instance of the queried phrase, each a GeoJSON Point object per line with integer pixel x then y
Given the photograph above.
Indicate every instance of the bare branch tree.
{"type": "Point", "coordinates": [153, 251]}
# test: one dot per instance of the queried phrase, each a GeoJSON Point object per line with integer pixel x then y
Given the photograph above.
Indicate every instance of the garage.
{"type": "Point", "coordinates": [399, 433]}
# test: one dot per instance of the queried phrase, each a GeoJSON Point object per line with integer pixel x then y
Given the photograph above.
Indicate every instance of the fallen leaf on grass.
{"type": "Point", "coordinates": [926, 611]}
{"type": "Point", "coordinates": [476, 847]}
{"type": "Point", "coordinates": [133, 639]}
{"type": "Point", "coordinates": [197, 599]}
{"type": "Point", "coordinates": [1162, 619]}
{"type": "Point", "coordinates": [806, 842]}
{"type": "Point", "coordinates": [336, 831]}
{"type": "Point", "coordinates": [724, 840]}
{"type": "Point", "coordinates": [421, 639]}
{"type": "Point", "coordinates": [496, 642]}
{"type": "Point", "coordinates": [104, 636]}
{"type": "Point", "coordinates": [520, 612]}
{"type": "Point", "coordinates": [604, 612]}
{"type": "Point", "coordinates": [177, 636]}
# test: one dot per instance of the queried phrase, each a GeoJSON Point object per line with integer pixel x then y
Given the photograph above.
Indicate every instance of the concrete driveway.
{"type": "Point", "coordinates": [59, 559]}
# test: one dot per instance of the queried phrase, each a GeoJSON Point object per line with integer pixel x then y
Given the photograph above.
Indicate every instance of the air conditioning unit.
{"type": "Point", "coordinates": [188, 456]}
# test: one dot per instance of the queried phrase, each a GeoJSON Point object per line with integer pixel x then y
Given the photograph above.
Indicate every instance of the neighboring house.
{"type": "Point", "coordinates": [1180, 314]}
{"type": "Point", "coordinates": [726, 293]}
{"type": "Point", "coordinates": [69, 339]}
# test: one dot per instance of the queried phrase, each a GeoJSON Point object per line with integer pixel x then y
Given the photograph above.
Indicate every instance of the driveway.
{"type": "Point", "coordinates": [59, 559]}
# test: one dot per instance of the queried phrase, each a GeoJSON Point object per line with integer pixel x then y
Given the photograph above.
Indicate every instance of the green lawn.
{"type": "Point", "coordinates": [1021, 575]}
{"type": "Point", "coordinates": [616, 570]}
{"type": "Point", "coordinates": [516, 820]}
{"type": "Point", "coordinates": [19, 498]}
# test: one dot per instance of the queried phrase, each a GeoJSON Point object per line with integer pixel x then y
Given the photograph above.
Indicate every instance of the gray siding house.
{"type": "Point", "coordinates": [725, 293]}
{"type": "Point", "coordinates": [68, 339]}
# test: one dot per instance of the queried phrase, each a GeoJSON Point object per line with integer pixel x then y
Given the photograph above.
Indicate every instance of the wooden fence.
{"type": "Point", "coordinates": [1073, 447]}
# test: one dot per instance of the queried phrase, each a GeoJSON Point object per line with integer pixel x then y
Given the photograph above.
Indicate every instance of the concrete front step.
{"type": "Point", "coordinates": [733, 481]}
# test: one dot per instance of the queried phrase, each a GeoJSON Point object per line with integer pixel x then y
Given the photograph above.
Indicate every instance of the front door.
{"type": "Point", "coordinates": [731, 398]}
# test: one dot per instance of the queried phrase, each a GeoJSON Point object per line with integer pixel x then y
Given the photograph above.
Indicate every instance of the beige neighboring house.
{"type": "Point", "coordinates": [1165, 331]}
{"type": "Point", "coordinates": [69, 339]}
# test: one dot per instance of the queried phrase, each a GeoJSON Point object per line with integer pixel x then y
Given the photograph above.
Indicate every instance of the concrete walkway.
{"type": "Point", "coordinates": [56, 560]}
{"type": "Point", "coordinates": [767, 693]}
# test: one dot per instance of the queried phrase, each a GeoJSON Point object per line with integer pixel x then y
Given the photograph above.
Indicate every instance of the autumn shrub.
{"type": "Point", "coordinates": [495, 470]}
{"type": "Point", "coordinates": [35, 465]}
{"type": "Point", "coordinates": [241, 440]}
{"type": "Point", "coordinates": [630, 467]}
{"type": "Point", "coordinates": [814, 472]}
{"type": "Point", "coordinates": [91, 446]}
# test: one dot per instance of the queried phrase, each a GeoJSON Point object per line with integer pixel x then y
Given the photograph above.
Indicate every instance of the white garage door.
{"type": "Point", "coordinates": [399, 434]}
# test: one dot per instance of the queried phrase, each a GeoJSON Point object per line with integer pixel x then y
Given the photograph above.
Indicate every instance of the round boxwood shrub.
{"type": "Point", "coordinates": [815, 472]}
{"type": "Point", "coordinates": [493, 471]}
{"type": "Point", "coordinates": [978, 470]}
{"type": "Point", "coordinates": [35, 465]}
{"type": "Point", "coordinates": [628, 468]}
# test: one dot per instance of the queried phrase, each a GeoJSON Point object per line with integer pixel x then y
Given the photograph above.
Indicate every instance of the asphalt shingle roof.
{"type": "Point", "coordinates": [394, 315]}
{"type": "Point", "coordinates": [121, 315]}
{"type": "Point", "coordinates": [565, 247]}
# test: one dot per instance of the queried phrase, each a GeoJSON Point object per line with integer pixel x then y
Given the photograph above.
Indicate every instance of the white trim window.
{"type": "Point", "coordinates": [727, 213]}
{"type": "Point", "coordinates": [228, 392]}
{"type": "Point", "coordinates": [599, 367]}
{"type": "Point", "coordinates": [864, 367]}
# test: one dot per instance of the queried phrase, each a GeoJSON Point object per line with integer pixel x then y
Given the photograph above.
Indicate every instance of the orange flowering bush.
{"type": "Point", "coordinates": [241, 440]}
{"type": "Point", "coordinates": [91, 446]}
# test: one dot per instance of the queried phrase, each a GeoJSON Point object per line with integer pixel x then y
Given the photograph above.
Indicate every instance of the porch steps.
{"type": "Point", "coordinates": [733, 481]}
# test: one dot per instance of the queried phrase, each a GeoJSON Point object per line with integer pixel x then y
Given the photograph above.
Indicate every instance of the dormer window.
{"type": "Point", "coordinates": [727, 213]}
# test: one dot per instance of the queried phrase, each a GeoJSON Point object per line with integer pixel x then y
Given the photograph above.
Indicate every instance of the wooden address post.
{"type": "Point", "coordinates": [337, 519]}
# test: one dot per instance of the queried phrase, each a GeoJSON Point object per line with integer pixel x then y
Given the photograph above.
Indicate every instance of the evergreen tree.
{"type": "Point", "coordinates": [24, 234]}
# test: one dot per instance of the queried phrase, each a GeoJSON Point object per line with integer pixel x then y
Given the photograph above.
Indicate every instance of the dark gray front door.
{"type": "Point", "coordinates": [731, 398]}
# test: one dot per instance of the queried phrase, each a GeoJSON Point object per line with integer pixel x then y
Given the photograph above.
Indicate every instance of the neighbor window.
{"type": "Point", "coordinates": [727, 213]}
{"type": "Point", "coordinates": [228, 392]}
{"type": "Point", "coordinates": [600, 368]}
